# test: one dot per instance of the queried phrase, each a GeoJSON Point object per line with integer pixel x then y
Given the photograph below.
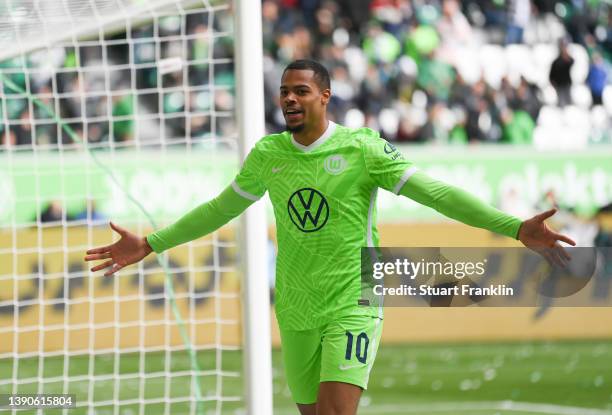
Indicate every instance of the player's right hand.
{"type": "Point", "coordinates": [126, 251]}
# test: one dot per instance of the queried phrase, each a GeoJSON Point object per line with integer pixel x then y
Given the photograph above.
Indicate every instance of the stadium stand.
{"type": "Point", "coordinates": [420, 71]}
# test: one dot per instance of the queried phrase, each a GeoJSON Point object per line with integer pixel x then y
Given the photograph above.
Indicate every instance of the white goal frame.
{"type": "Point", "coordinates": [256, 299]}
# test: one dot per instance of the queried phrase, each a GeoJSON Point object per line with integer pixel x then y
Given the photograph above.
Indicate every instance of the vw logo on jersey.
{"type": "Point", "coordinates": [308, 209]}
{"type": "Point", "coordinates": [335, 164]}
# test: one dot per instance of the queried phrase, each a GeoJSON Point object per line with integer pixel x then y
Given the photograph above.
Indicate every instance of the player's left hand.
{"type": "Point", "coordinates": [537, 236]}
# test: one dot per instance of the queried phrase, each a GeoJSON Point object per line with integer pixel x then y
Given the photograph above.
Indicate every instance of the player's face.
{"type": "Point", "coordinates": [302, 101]}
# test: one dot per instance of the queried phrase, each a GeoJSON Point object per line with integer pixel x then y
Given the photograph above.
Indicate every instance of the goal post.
{"type": "Point", "coordinates": [135, 111]}
{"type": "Point", "coordinates": [250, 114]}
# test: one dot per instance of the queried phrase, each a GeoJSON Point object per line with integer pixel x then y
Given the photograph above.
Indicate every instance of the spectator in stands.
{"type": "Point", "coordinates": [579, 20]}
{"type": "Point", "coordinates": [373, 95]}
{"type": "Point", "coordinates": [90, 214]}
{"type": "Point", "coordinates": [289, 15]}
{"type": "Point", "coordinates": [597, 78]}
{"type": "Point", "coordinates": [97, 132]}
{"type": "Point", "coordinates": [606, 40]}
{"type": "Point", "coordinates": [327, 19]}
{"type": "Point", "coordinates": [526, 98]}
{"type": "Point", "coordinates": [358, 12]}
{"type": "Point", "coordinates": [199, 54]}
{"type": "Point", "coordinates": [8, 138]}
{"type": "Point", "coordinates": [45, 130]}
{"type": "Point", "coordinates": [393, 15]}
{"type": "Point", "coordinates": [54, 212]}
{"type": "Point", "coordinates": [24, 130]}
{"type": "Point", "coordinates": [123, 121]}
{"type": "Point", "coordinates": [483, 118]}
{"type": "Point", "coordinates": [518, 127]}
{"type": "Point", "coordinates": [455, 32]}
{"type": "Point", "coordinates": [519, 12]}
{"type": "Point", "coordinates": [379, 46]}
{"type": "Point", "coordinates": [270, 15]}
{"type": "Point", "coordinates": [560, 74]}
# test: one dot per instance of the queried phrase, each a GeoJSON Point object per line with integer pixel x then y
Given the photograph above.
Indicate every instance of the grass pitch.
{"type": "Point", "coordinates": [564, 378]}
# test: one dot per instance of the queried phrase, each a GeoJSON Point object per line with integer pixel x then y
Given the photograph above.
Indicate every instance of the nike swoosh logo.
{"type": "Point", "coordinates": [276, 169]}
{"type": "Point", "coordinates": [347, 367]}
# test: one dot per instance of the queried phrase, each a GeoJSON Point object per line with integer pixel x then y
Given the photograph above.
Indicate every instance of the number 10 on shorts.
{"type": "Point", "coordinates": [361, 352]}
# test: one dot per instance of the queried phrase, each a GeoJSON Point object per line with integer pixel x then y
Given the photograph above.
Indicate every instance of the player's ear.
{"type": "Point", "coordinates": [325, 95]}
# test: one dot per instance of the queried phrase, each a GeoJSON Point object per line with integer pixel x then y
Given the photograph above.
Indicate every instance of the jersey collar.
{"type": "Point", "coordinates": [331, 127]}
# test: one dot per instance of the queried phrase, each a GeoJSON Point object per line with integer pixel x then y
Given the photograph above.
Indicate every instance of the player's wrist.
{"type": "Point", "coordinates": [519, 230]}
{"type": "Point", "coordinates": [146, 246]}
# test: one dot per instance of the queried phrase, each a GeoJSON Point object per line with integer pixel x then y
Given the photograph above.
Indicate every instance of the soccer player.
{"type": "Point", "coordinates": [323, 179]}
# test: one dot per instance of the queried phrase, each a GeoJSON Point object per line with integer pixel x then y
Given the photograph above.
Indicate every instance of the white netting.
{"type": "Point", "coordinates": [107, 104]}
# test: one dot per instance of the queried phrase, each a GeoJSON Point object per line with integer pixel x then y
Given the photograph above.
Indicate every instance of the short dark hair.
{"type": "Point", "coordinates": [321, 75]}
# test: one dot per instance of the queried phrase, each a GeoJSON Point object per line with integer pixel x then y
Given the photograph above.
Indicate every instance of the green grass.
{"type": "Point", "coordinates": [475, 379]}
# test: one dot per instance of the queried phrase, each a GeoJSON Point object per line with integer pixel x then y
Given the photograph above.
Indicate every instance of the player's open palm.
{"type": "Point", "coordinates": [128, 250]}
{"type": "Point", "coordinates": [536, 235]}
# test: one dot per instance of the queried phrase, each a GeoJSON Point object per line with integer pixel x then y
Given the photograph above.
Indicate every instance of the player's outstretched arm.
{"type": "Point", "coordinates": [200, 221]}
{"type": "Point", "coordinates": [460, 205]}
{"type": "Point", "coordinates": [129, 249]}
{"type": "Point", "coordinates": [464, 207]}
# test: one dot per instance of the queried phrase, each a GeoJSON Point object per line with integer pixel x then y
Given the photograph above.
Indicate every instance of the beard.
{"type": "Point", "coordinates": [295, 128]}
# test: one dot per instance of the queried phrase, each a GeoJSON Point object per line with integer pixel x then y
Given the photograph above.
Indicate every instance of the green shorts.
{"type": "Point", "coordinates": [341, 351]}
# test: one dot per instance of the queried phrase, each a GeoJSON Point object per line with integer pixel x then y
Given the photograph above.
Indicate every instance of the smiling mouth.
{"type": "Point", "coordinates": [293, 114]}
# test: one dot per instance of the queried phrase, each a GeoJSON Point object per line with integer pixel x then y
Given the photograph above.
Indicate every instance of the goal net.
{"type": "Point", "coordinates": [122, 110]}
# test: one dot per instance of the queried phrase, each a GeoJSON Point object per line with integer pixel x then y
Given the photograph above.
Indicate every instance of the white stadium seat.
{"type": "Point", "coordinates": [607, 99]}
{"type": "Point", "coordinates": [545, 137]}
{"type": "Point", "coordinates": [543, 55]}
{"type": "Point", "coordinates": [580, 69]}
{"type": "Point", "coordinates": [493, 63]}
{"type": "Point", "coordinates": [468, 65]}
{"type": "Point", "coordinates": [600, 124]}
{"type": "Point", "coordinates": [581, 96]}
{"type": "Point", "coordinates": [577, 128]}
{"type": "Point", "coordinates": [388, 119]}
{"type": "Point", "coordinates": [599, 117]}
{"type": "Point", "coordinates": [550, 115]}
{"type": "Point", "coordinates": [354, 118]}
{"type": "Point", "coordinates": [574, 116]}
{"type": "Point", "coordinates": [549, 95]}
{"type": "Point", "coordinates": [557, 128]}
{"type": "Point", "coordinates": [519, 63]}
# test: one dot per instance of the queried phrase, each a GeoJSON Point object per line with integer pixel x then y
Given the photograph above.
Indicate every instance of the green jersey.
{"type": "Point", "coordinates": [324, 200]}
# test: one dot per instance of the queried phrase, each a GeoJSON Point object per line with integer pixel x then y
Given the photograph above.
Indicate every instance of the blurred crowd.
{"type": "Point", "coordinates": [163, 83]}
{"type": "Point", "coordinates": [446, 71]}
{"type": "Point", "coordinates": [436, 71]}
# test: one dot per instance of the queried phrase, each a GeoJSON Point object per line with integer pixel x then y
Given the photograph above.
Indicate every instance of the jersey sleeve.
{"type": "Point", "coordinates": [458, 204]}
{"type": "Point", "coordinates": [248, 182]}
{"type": "Point", "coordinates": [200, 221]}
{"type": "Point", "coordinates": [385, 163]}
{"type": "Point", "coordinates": [208, 217]}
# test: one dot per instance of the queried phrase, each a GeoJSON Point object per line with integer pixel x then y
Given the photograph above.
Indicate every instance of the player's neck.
{"type": "Point", "coordinates": [307, 137]}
